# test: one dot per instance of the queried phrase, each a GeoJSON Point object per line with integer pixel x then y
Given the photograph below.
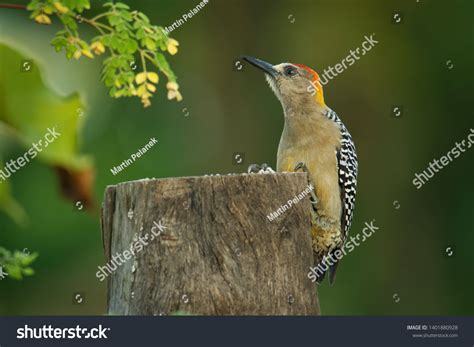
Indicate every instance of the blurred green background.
{"type": "Point", "coordinates": [402, 269]}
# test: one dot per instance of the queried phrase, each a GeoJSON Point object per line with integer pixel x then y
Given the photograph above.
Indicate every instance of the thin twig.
{"type": "Point", "coordinates": [14, 6]}
{"type": "Point", "coordinates": [100, 16]}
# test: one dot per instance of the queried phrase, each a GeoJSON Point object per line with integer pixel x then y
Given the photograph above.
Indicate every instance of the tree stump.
{"type": "Point", "coordinates": [208, 247]}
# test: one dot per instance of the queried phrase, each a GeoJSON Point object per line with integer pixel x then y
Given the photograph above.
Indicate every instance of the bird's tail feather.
{"type": "Point", "coordinates": [332, 272]}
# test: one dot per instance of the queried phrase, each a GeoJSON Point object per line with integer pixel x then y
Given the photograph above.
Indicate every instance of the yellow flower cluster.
{"type": "Point", "coordinates": [60, 8]}
{"type": "Point", "coordinates": [43, 18]}
{"type": "Point", "coordinates": [97, 47]}
{"type": "Point", "coordinates": [172, 46]}
{"type": "Point", "coordinates": [146, 85]}
{"type": "Point", "coordinates": [173, 92]}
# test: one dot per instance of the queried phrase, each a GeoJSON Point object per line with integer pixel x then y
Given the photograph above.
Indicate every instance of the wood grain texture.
{"type": "Point", "coordinates": [218, 253]}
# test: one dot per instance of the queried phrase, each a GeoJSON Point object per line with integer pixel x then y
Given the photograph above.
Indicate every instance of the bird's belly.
{"type": "Point", "coordinates": [322, 173]}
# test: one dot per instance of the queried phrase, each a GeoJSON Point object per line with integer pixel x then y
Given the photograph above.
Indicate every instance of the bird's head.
{"type": "Point", "coordinates": [293, 84]}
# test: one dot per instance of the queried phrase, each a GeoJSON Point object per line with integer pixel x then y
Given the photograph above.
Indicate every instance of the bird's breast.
{"type": "Point", "coordinates": [317, 150]}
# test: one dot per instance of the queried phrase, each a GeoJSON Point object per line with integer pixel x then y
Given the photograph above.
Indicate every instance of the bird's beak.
{"type": "Point", "coordinates": [262, 65]}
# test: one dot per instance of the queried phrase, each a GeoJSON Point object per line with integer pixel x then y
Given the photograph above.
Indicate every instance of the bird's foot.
{"type": "Point", "coordinates": [260, 169]}
{"type": "Point", "coordinates": [302, 166]}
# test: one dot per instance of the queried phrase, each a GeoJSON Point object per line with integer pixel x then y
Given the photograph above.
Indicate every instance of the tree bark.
{"type": "Point", "coordinates": [212, 250]}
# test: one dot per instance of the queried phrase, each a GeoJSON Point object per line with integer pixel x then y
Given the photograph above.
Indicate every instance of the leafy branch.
{"type": "Point", "coordinates": [17, 264]}
{"type": "Point", "coordinates": [128, 38]}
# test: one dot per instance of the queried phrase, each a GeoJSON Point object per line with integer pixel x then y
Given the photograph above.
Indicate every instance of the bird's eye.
{"type": "Point", "coordinates": [290, 71]}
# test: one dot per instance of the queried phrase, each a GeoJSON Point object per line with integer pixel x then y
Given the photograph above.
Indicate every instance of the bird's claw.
{"type": "Point", "coordinates": [264, 168]}
{"type": "Point", "coordinates": [255, 168]}
{"type": "Point", "coordinates": [302, 166]}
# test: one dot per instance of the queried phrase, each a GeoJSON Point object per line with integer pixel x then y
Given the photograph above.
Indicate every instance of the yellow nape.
{"type": "Point", "coordinates": [319, 95]}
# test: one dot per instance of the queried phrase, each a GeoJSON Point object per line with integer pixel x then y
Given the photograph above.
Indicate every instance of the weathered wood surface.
{"type": "Point", "coordinates": [218, 253]}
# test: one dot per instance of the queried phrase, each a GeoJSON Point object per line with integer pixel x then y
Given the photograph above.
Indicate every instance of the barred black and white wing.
{"type": "Point", "coordinates": [347, 171]}
{"type": "Point", "coordinates": [347, 167]}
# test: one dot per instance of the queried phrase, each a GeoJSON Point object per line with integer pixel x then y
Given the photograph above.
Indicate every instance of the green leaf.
{"type": "Point", "coordinates": [150, 44]}
{"type": "Point", "coordinates": [32, 5]}
{"type": "Point", "coordinates": [69, 21]}
{"type": "Point", "coordinates": [30, 111]}
{"type": "Point", "coordinates": [14, 271]}
{"type": "Point", "coordinates": [143, 17]}
{"type": "Point", "coordinates": [127, 16]}
{"type": "Point", "coordinates": [77, 5]}
{"type": "Point", "coordinates": [121, 5]}
{"type": "Point", "coordinates": [15, 265]}
{"type": "Point", "coordinates": [114, 19]}
{"type": "Point", "coordinates": [27, 259]}
{"type": "Point", "coordinates": [70, 50]}
{"type": "Point", "coordinates": [132, 47]}
{"type": "Point", "coordinates": [163, 65]}
{"type": "Point", "coordinates": [28, 271]}
{"type": "Point", "coordinates": [140, 34]}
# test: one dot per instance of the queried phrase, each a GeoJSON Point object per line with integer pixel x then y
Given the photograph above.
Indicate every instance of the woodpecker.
{"type": "Point", "coordinates": [315, 140]}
